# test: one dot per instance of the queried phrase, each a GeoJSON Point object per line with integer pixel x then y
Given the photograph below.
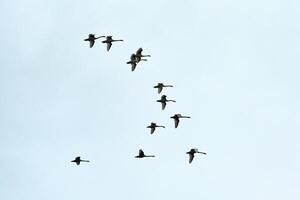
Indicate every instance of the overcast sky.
{"type": "Point", "coordinates": [235, 69]}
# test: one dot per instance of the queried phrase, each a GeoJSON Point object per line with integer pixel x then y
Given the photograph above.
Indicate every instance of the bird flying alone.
{"type": "Point", "coordinates": [142, 155]}
{"type": "Point", "coordinates": [153, 126]}
{"type": "Point", "coordinates": [160, 87]}
{"type": "Point", "coordinates": [192, 154]}
{"type": "Point", "coordinates": [91, 38]}
{"type": "Point", "coordinates": [163, 100]}
{"type": "Point", "coordinates": [176, 118]}
{"type": "Point", "coordinates": [77, 160]}
{"type": "Point", "coordinates": [109, 42]}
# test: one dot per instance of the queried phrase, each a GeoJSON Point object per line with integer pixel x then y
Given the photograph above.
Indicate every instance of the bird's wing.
{"type": "Point", "coordinates": [191, 157]}
{"type": "Point", "coordinates": [159, 89]}
{"type": "Point", "coordinates": [133, 66]}
{"type": "Point", "coordinates": [176, 122]}
{"type": "Point", "coordinates": [92, 42]}
{"type": "Point", "coordinates": [141, 152]}
{"type": "Point", "coordinates": [108, 46]}
{"type": "Point", "coordinates": [77, 162]}
{"type": "Point", "coordinates": [139, 51]}
{"type": "Point", "coordinates": [163, 105]}
{"type": "Point", "coordinates": [152, 130]}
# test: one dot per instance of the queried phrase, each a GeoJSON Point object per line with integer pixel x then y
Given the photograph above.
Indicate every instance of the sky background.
{"type": "Point", "coordinates": [235, 68]}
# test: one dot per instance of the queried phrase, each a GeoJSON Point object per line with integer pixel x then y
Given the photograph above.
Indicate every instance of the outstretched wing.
{"type": "Point", "coordinates": [163, 105]}
{"type": "Point", "coordinates": [133, 66]}
{"type": "Point", "coordinates": [191, 157]}
{"type": "Point", "coordinates": [176, 122]}
{"type": "Point", "coordinates": [159, 89]}
{"type": "Point", "coordinates": [92, 42]}
{"type": "Point", "coordinates": [141, 153]}
{"type": "Point", "coordinates": [152, 130]}
{"type": "Point", "coordinates": [108, 46]}
{"type": "Point", "coordinates": [139, 51]}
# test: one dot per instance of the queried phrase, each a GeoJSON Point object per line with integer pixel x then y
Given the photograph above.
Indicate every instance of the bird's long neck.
{"type": "Point", "coordinates": [185, 117]}
{"type": "Point", "coordinates": [171, 100]}
{"type": "Point", "coordinates": [84, 161]}
{"type": "Point", "coordinates": [168, 85]}
{"type": "Point", "coordinates": [149, 156]}
{"type": "Point", "coordinates": [145, 56]}
{"type": "Point", "coordinates": [117, 40]}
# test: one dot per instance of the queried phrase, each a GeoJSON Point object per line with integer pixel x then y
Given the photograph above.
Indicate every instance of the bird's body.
{"type": "Point", "coordinates": [133, 62]}
{"type": "Point", "coordinates": [192, 154]}
{"type": "Point", "coordinates": [139, 55]}
{"type": "Point", "coordinates": [160, 87]}
{"type": "Point", "coordinates": [77, 160]}
{"type": "Point", "coordinates": [153, 126]}
{"type": "Point", "coordinates": [163, 100]}
{"type": "Point", "coordinates": [91, 38]}
{"type": "Point", "coordinates": [176, 118]}
{"type": "Point", "coordinates": [109, 41]}
{"type": "Point", "coordinates": [142, 154]}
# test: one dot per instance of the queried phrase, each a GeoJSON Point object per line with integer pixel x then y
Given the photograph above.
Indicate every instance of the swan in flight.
{"type": "Point", "coordinates": [176, 118]}
{"type": "Point", "coordinates": [109, 42]}
{"type": "Point", "coordinates": [91, 38]}
{"type": "Point", "coordinates": [160, 87]}
{"type": "Point", "coordinates": [142, 155]}
{"type": "Point", "coordinates": [139, 55]}
{"type": "Point", "coordinates": [192, 154]}
{"type": "Point", "coordinates": [163, 100]}
{"type": "Point", "coordinates": [78, 160]}
{"type": "Point", "coordinates": [153, 126]}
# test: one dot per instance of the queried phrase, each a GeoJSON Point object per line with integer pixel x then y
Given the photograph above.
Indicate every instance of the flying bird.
{"type": "Point", "coordinates": [192, 154]}
{"type": "Point", "coordinates": [176, 118]}
{"type": "Point", "coordinates": [142, 155]}
{"type": "Point", "coordinates": [109, 42]}
{"type": "Point", "coordinates": [133, 62]}
{"type": "Point", "coordinates": [160, 87]}
{"type": "Point", "coordinates": [91, 38]}
{"type": "Point", "coordinates": [78, 160]}
{"type": "Point", "coordinates": [163, 100]}
{"type": "Point", "coordinates": [139, 55]}
{"type": "Point", "coordinates": [153, 126]}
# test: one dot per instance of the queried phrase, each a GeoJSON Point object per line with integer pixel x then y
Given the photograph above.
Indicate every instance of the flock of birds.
{"type": "Point", "coordinates": [135, 58]}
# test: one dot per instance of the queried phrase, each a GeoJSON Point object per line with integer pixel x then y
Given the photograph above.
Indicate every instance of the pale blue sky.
{"type": "Point", "coordinates": [235, 68]}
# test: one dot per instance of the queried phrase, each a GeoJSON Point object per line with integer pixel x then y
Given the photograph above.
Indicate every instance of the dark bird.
{"type": "Point", "coordinates": [139, 55]}
{"type": "Point", "coordinates": [153, 126]}
{"type": "Point", "coordinates": [78, 160]}
{"type": "Point", "coordinates": [163, 100]}
{"type": "Point", "coordinates": [142, 155]}
{"type": "Point", "coordinates": [92, 39]}
{"type": "Point", "coordinates": [192, 154]}
{"type": "Point", "coordinates": [176, 118]}
{"type": "Point", "coordinates": [109, 41]}
{"type": "Point", "coordinates": [133, 62]}
{"type": "Point", "coordinates": [160, 87]}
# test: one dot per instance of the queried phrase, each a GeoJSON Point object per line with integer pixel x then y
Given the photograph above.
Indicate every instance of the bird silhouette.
{"type": "Point", "coordinates": [109, 42]}
{"type": "Point", "coordinates": [139, 55]}
{"type": "Point", "coordinates": [153, 126]}
{"type": "Point", "coordinates": [142, 155]}
{"type": "Point", "coordinates": [91, 38]}
{"type": "Point", "coordinates": [176, 118]}
{"type": "Point", "coordinates": [163, 100]}
{"type": "Point", "coordinates": [192, 154]}
{"type": "Point", "coordinates": [78, 160]}
{"type": "Point", "coordinates": [160, 87]}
